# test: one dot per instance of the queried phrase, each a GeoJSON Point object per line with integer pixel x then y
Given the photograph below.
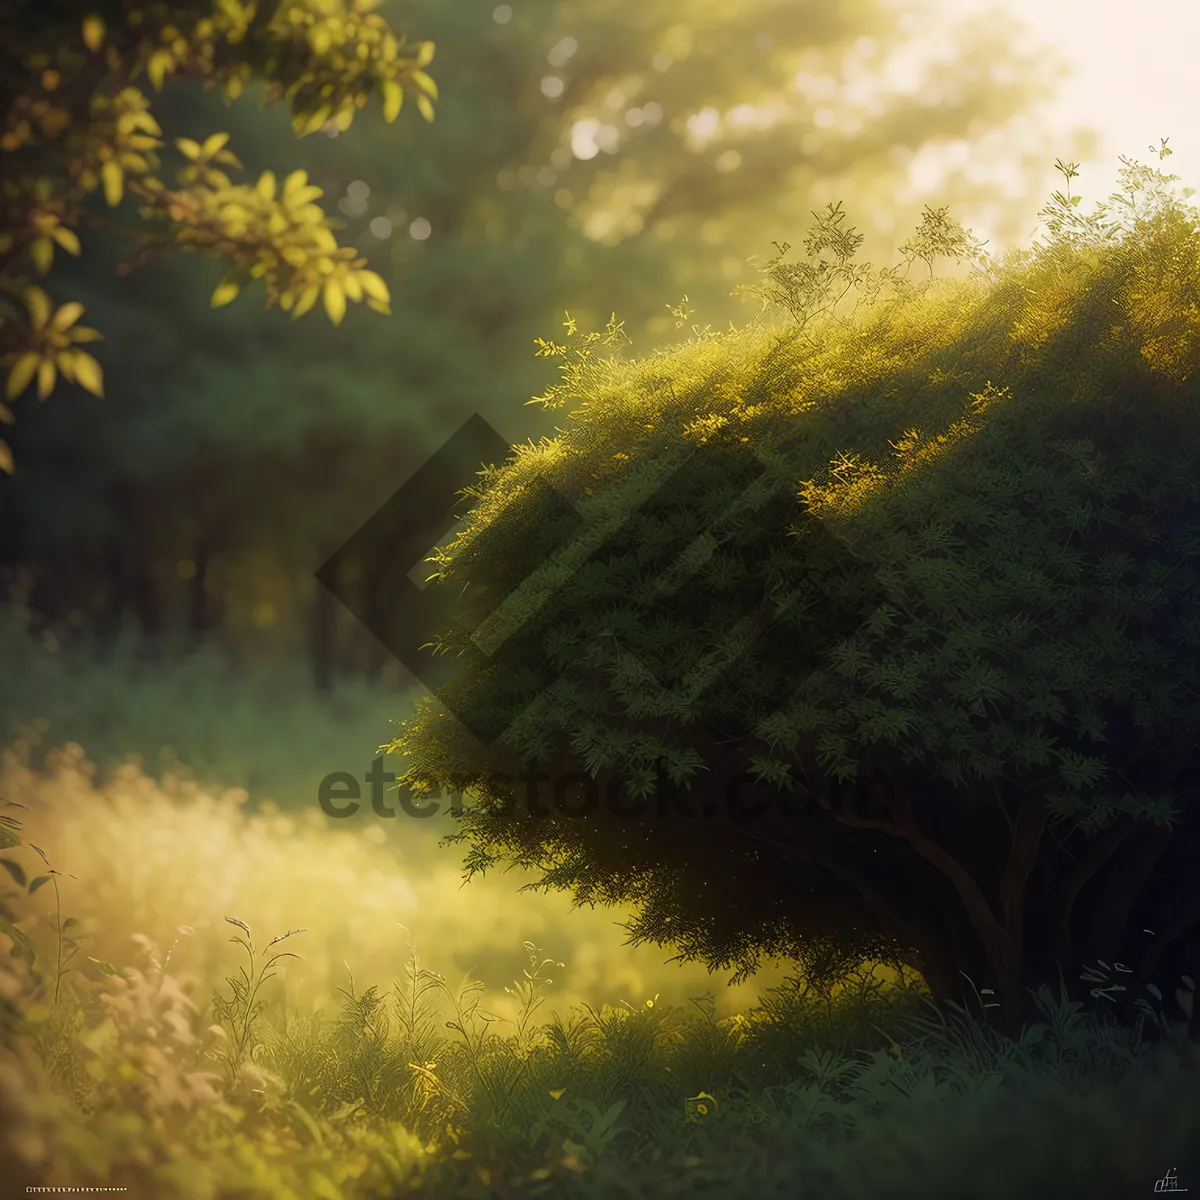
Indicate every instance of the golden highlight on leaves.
{"type": "Point", "coordinates": [393, 99]}
{"type": "Point", "coordinates": [113, 178]}
{"type": "Point", "coordinates": [96, 132]}
{"type": "Point", "coordinates": [224, 293]}
{"type": "Point", "coordinates": [335, 301]}
{"type": "Point", "coordinates": [93, 33]}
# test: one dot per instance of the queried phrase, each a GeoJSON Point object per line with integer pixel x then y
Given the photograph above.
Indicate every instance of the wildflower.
{"type": "Point", "coordinates": [700, 1108]}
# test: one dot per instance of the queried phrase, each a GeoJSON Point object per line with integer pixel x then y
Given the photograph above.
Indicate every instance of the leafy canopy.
{"type": "Point", "coordinates": [840, 543]}
{"type": "Point", "coordinates": [78, 121]}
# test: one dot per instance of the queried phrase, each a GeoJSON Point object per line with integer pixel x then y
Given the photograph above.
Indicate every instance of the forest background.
{"type": "Point", "coordinates": [158, 546]}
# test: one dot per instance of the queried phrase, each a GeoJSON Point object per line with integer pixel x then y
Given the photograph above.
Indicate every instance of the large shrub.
{"type": "Point", "coordinates": [926, 575]}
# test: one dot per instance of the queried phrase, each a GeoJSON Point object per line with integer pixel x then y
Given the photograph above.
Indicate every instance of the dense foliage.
{"type": "Point", "coordinates": [925, 575]}
{"type": "Point", "coordinates": [588, 156]}
{"type": "Point", "coordinates": [205, 1061]}
{"type": "Point", "coordinates": [76, 121]}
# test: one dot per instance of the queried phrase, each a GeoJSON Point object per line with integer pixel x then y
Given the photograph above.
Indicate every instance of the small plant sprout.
{"type": "Point", "coordinates": [528, 990]}
{"type": "Point", "coordinates": [65, 940]}
{"type": "Point", "coordinates": [242, 1008]}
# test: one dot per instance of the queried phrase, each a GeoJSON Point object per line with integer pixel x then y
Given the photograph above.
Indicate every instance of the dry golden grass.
{"type": "Point", "coordinates": [151, 860]}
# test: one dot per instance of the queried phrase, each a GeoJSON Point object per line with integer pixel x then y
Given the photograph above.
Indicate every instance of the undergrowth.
{"type": "Point", "coordinates": [132, 1074]}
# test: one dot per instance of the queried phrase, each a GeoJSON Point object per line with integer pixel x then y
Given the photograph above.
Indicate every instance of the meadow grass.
{"type": "Point", "coordinates": [213, 994]}
{"type": "Point", "coordinates": [289, 1039]}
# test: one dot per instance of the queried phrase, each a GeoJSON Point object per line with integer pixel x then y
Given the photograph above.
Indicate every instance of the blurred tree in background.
{"type": "Point", "coordinates": [589, 157]}
{"type": "Point", "coordinates": [75, 122]}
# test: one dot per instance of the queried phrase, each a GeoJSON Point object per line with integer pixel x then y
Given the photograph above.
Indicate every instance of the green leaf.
{"type": "Point", "coordinates": [23, 947]}
{"type": "Point", "coordinates": [14, 869]}
{"type": "Point", "coordinates": [37, 883]}
{"type": "Point", "coordinates": [105, 968]}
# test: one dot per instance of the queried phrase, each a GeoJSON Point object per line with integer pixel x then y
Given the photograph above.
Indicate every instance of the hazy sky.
{"type": "Point", "coordinates": [1134, 70]}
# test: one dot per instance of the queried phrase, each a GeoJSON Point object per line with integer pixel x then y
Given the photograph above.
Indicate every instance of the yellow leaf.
{"type": "Point", "coordinates": [42, 253]}
{"type": "Point", "coordinates": [314, 121]}
{"type": "Point", "coordinates": [353, 286]}
{"type": "Point", "coordinates": [145, 121]}
{"type": "Point", "coordinates": [424, 82]}
{"type": "Point", "coordinates": [225, 292]}
{"type": "Point", "coordinates": [293, 185]}
{"type": "Point", "coordinates": [81, 333]}
{"type": "Point", "coordinates": [188, 148]}
{"type": "Point", "coordinates": [89, 374]}
{"type": "Point", "coordinates": [319, 39]}
{"type": "Point", "coordinates": [66, 316]}
{"type": "Point", "coordinates": [380, 307]}
{"type": "Point", "coordinates": [6, 414]}
{"type": "Point", "coordinates": [45, 378]}
{"type": "Point", "coordinates": [6, 459]}
{"type": "Point", "coordinates": [213, 143]}
{"type": "Point", "coordinates": [374, 286]}
{"type": "Point", "coordinates": [233, 89]}
{"type": "Point", "coordinates": [21, 374]}
{"type": "Point", "coordinates": [66, 364]}
{"type": "Point", "coordinates": [38, 304]}
{"type": "Point", "coordinates": [113, 178]}
{"type": "Point", "coordinates": [67, 239]}
{"type": "Point", "coordinates": [393, 100]}
{"type": "Point", "coordinates": [335, 301]}
{"type": "Point", "coordinates": [93, 32]}
{"type": "Point", "coordinates": [307, 299]}
{"type": "Point", "coordinates": [425, 54]}
{"type": "Point", "coordinates": [160, 62]}
{"type": "Point", "coordinates": [266, 185]}
{"type": "Point", "coordinates": [425, 106]}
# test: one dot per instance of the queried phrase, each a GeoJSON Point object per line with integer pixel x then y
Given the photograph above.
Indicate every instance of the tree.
{"type": "Point", "coordinates": [274, 441]}
{"type": "Point", "coordinates": [76, 122]}
{"type": "Point", "coordinates": [885, 621]}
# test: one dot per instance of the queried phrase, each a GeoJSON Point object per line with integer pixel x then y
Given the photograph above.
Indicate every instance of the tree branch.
{"type": "Point", "coordinates": [996, 941]}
